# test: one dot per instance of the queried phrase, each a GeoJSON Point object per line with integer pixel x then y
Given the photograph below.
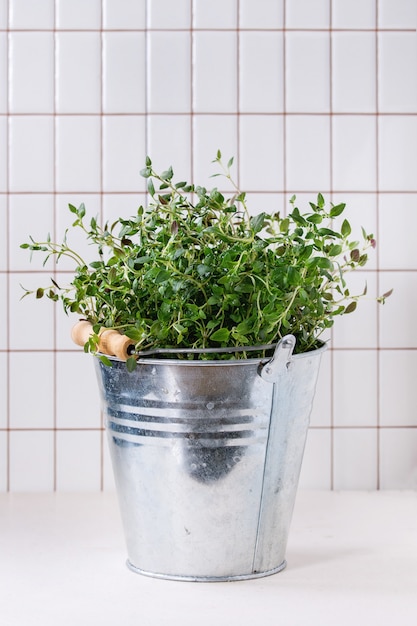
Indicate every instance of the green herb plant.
{"type": "Point", "coordinates": [195, 270]}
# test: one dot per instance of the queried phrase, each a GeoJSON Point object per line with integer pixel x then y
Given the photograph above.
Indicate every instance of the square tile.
{"type": "Point", "coordinates": [78, 153]}
{"type": "Point", "coordinates": [31, 87]}
{"type": "Point", "coordinates": [25, 14]}
{"type": "Point", "coordinates": [169, 72]}
{"type": "Point", "coordinates": [261, 153]}
{"type": "Point", "coordinates": [399, 14]}
{"type": "Point", "coordinates": [309, 14]}
{"type": "Point", "coordinates": [354, 153]}
{"type": "Point", "coordinates": [124, 14]}
{"type": "Point", "coordinates": [3, 72]}
{"type": "Point", "coordinates": [269, 202]}
{"type": "Point", "coordinates": [398, 459]}
{"type": "Point", "coordinates": [215, 72]}
{"type": "Point", "coordinates": [355, 458]}
{"type": "Point", "coordinates": [65, 323]}
{"type": "Point", "coordinates": [358, 329]}
{"type": "Point", "coordinates": [168, 14]}
{"type": "Point", "coordinates": [29, 216]}
{"type": "Point", "coordinates": [31, 461]}
{"type": "Point", "coordinates": [31, 153]}
{"type": "Point", "coordinates": [360, 212]}
{"type": "Point", "coordinates": [211, 133]}
{"type": "Point", "coordinates": [78, 14]}
{"type": "Point", "coordinates": [4, 390]}
{"type": "Point", "coordinates": [398, 153]}
{"type": "Point", "coordinates": [122, 205]}
{"type": "Point", "coordinates": [397, 317]}
{"type": "Point", "coordinates": [308, 153]}
{"type": "Point", "coordinates": [261, 14]}
{"type": "Point", "coordinates": [321, 414]}
{"type": "Point", "coordinates": [78, 72]}
{"type": "Point", "coordinates": [354, 14]}
{"type": "Point", "coordinates": [397, 72]}
{"type": "Point", "coordinates": [261, 91]}
{"type": "Point", "coordinates": [78, 461]}
{"type": "Point", "coordinates": [317, 462]}
{"type": "Point", "coordinates": [398, 389]}
{"type": "Point", "coordinates": [307, 72]}
{"type": "Point", "coordinates": [124, 72]}
{"type": "Point", "coordinates": [4, 305]}
{"type": "Point", "coordinates": [31, 319]}
{"type": "Point", "coordinates": [33, 372]}
{"type": "Point", "coordinates": [353, 72]}
{"type": "Point", "coordinates": [108, 476]}
{"type": "Point", "coordinates": [123, 153]}
{"type": "Point", "coordinates": [3, 13]}
{"type": "Point", "coordinates": [216, 14]}
{"type": "Point", "coordinates": [169, 143]}
{"type": "Point", "coordinates": [78, 403]}
{"type": "Point", "coordinates": [393, 210]}
{"type": "Point", "coordinates": [4, 234]}
{"type": "Point", "coordinates": [4, 183]}
{"type": "Point", "coordinates": [76, 237]}
{"type": "Point", "coordinates": [4, 458]}
{"type": "Point", "coordinates": [355, 388]}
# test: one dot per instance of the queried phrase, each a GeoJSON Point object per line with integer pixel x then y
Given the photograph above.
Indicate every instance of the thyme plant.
{"type": "Point", "coordinates": [195, 270]}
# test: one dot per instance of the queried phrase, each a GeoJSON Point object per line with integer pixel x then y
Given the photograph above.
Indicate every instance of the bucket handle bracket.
{"type": "Point", "coordinates": [280, 361]}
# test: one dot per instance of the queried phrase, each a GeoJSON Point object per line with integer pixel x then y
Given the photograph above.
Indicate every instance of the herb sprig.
{"type": "Point", "coordinates": [195, 270]}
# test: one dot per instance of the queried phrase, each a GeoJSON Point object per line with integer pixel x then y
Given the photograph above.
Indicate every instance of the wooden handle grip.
{"type": "Point", "coordinates": [111, 342]}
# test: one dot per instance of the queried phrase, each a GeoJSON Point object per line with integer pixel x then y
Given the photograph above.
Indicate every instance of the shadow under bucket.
{"type": "Point", "coordinates": [206, 457]}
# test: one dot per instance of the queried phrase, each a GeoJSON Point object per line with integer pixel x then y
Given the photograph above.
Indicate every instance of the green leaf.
{"type": "Point", "coordinates": [257, 222]}
{"type": "Point", "coordinates": [350, 307]}
{"type": "Point", "coordinates": [168, 174]}
{"type": "Point", "coordinates": [346, 229]}
{"type": "Point", "coordinates": [151, 187]}
{"type": "Point", "coordinates": [39, 293]}
{"type": "Point", "coordinates": [162, 276]}
{"type": "Point", "coordinates": [105, 360]}
{"type": "Point", "coordinates": [316, 218]}
{"type": "Point", "coordinates": [335, 249]}
{"type": "Point", "coordinates": [131, 364]}
{"type": "Point", "coordinates": [203, 270]}
{"type": "Point", "coordinates": [284, 225]}
{"type": "Point", "coordinates": [337, 210]}
{"type": "Point", "coordinates": [221, 335]}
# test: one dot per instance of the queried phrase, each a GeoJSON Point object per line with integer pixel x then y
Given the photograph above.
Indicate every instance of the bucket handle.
{"type": "Point", "coordinates": [280, 361]}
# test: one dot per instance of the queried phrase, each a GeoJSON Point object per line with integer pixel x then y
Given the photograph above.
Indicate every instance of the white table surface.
{"type": "Point", "coordinates": [352, 559]}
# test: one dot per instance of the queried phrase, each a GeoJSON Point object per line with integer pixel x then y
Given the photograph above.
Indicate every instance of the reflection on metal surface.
{"type": "Point", "coordinates": [206, 457]}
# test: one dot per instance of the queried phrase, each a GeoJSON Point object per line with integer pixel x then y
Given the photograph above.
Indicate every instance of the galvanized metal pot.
{"type": "Point", "coordinates": [206, 458]}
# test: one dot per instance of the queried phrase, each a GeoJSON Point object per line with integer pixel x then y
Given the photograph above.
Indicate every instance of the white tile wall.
{"type": "Point", "coordinates": [308, 95]}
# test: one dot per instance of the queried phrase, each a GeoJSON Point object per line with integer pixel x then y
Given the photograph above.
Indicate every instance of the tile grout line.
{"type": "Point", "coordinates": [55, 229]}
{"type": "Point", "coordinates": [284, 104]}
{"type": "Point", "coordinates": [331, 177]}
{"type": "Point", "coordinates": [101, 207]}
{"type": "Point", "coordinates": [378, 317]}
{"type": "Point", "coordinates": [192, 113]}
{"type": "Point", "coordinates": [238, 92]}
{"type": "Point", "coordinates": [8, 144]}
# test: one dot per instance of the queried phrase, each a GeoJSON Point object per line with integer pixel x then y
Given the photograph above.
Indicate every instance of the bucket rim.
{"type": "Point", "coordinates": [217, 362]}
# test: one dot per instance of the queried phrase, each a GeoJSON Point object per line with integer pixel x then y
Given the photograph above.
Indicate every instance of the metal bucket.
{"type": "Point", "coordinates": [206, 458]}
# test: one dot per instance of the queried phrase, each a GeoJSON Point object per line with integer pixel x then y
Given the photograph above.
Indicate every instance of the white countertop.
{"type": "Point", "coordinates": [352, 559]}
